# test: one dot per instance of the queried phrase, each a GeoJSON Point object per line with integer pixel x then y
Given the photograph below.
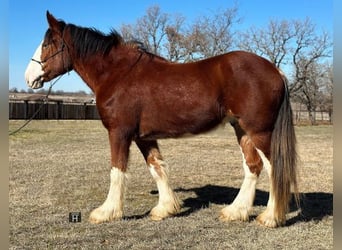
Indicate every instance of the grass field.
{"type": "Point", "coordinates": [57, 167]}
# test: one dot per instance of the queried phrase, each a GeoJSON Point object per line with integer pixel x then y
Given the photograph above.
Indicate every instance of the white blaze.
{"type": "Point", "coordinates": [34, 69]}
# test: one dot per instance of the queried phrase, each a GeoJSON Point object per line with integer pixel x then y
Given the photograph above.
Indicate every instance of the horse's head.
{"type": "Point", "coordinates": [51, 58]}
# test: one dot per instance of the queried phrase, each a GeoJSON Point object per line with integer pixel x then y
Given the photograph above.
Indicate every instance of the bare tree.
{"type": "Point", "coordinates": [128, 32]}
{"type": "Point", "coordinates": [149, 29]}
{"type": "Point", "coordinates": [295, 45]}
{"type": "Point", "coordinates": [327, 104]}
{"type": "Point", "coordinates": [310, 95]}
{"type": "Point", "coordinates": [273, 42]}
{"type": "Point", "coordinates": [166, 34]}
{"type": "Point", "coordinates": [175, 39]}
{"type": "Point", "coordinates": [212, 35]}
{"type": "Point", "coordinates": [309, 49]}
{"type": "Point", "coordinates": [288, 42]}
{"type": "Point", "coordinates": [324, 101]}
{"type": "Point", "coordinates": [193, 44]}
{"type": "Point", "coordinates": [316, 91]}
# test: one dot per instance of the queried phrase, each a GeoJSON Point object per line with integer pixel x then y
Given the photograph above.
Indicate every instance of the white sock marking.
{"type": "Point", "coordinates": [245, 197]}
{"type": "Point", "coordinates": [113, 206]}
{"type": "Point", "coordinates": [114, 201]}
{"type": "Point", "coordinates": [268, 166]}
{"type": "Point", "coordinates": [162, 183]}
{"type": "Point", "coordinates": [168, 203]}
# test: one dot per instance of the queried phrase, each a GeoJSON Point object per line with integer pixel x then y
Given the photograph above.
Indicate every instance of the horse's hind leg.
{"type": "Point", "coordinates": [252, 165]}
{"type": "Point", "coordinates": [168, 203]}
{"type": "Point", "coordinates": [270, 217]}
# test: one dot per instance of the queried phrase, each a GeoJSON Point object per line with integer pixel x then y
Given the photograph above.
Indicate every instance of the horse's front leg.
{"type": "Point", "coordinates": [112, 208]}
{"type": "Point", "coordinates": [168, 203]}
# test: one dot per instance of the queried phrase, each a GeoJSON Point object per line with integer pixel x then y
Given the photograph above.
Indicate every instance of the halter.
{"type": "Point", "coordinates": [53, 55]}
{"type": "Point", "coordinates": [45, 99]}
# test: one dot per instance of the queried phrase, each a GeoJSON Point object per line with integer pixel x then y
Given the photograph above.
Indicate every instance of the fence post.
{"type": "Point", "coordinates": [84, 111]}
{"type": "Point", "coordinates": [26, 109]}
{"type": "Point", "coordinates": [59, 110]}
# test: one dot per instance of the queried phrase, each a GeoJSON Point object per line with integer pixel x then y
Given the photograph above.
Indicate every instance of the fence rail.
{"type": "Point", "coordinates": [59, 110]}
{"type": "Point", "coordinates": [53, 110]}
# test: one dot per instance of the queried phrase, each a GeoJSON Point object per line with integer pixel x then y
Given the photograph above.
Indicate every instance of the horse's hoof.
{"type": "Point", "coordinates": [233, 213]}
{"type": "Point", "coordinates": [268, 220]}
{"type": "Point", "coordinates": [100, 215]}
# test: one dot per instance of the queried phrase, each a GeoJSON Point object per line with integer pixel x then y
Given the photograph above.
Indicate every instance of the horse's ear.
{"type": "Point", "coordinates": [54, 24]}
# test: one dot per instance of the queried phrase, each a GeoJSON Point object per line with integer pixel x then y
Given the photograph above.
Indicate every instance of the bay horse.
{"type": "Point", "coordinates": [142, 97]}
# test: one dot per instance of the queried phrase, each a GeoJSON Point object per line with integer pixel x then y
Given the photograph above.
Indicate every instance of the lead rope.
{"type": "Point", "coordinates": [45, 100]}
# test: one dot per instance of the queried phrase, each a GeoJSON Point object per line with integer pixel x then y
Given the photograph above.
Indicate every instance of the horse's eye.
{"type": "Point", "coordinates": [45, 45]}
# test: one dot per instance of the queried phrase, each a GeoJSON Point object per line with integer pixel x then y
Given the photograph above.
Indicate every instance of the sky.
{"type": "Point", "coordinates": [27, 22]}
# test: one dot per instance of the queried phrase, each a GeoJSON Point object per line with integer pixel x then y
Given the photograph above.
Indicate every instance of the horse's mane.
{"type": "Point", "coordinates": [90, 40]}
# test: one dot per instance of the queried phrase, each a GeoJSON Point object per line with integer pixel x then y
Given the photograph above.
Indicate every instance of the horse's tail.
{"type": "Point", "coordinates": [284, 157]}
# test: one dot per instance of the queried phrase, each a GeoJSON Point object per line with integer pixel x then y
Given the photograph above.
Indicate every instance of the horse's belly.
{"type": "Point", "coordinates": [172, 127]}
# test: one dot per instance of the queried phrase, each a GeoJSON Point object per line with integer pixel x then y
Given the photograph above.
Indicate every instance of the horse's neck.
{"type": "Point", "coordinates": [96, 69]}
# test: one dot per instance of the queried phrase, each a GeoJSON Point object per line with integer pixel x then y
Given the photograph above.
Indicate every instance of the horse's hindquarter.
{"type": "Point", "coordinates": [253, 89]}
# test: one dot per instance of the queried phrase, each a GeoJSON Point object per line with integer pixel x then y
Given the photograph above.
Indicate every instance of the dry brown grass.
{"type": "Point", "coordinates": [57, 167]}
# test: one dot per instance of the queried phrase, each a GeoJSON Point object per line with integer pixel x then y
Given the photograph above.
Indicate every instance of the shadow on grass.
{"type": "Point", "coordinates": [314, 206]}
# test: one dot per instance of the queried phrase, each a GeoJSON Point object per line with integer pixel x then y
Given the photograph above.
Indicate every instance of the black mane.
{"type": "Point", "coordinates": [90, 40]}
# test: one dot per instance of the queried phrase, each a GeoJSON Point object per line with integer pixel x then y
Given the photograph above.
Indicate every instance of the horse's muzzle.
{"type": "Point", "coordinates": [37, 83]}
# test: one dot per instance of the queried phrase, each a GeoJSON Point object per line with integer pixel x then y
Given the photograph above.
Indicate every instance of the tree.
{"type": "Point", "coordinates": [287, 42]}
{"type": "Point", "coordinates": [295, 45]}
{"type": "Point", "coordinates": [273, 42]}
{"type": "Point", "coordinates": [310, 93]}
{"type": "Point", "coordinates": [13, 90]}
{"type": "Point", "coordinates": [166, 35]}
{"type": "Point", "coordinates": [213, 35]}
{"type": "Point", "coordinates": [309, 49]}
{"type": "Point", "coordinates": [328, 87]}
{"type": "Point", "coordinates": [150, 29]}
{"type": "Point", "coordinates": [174, 45]}
{"type": "Point", "coordinates": [317, 92]}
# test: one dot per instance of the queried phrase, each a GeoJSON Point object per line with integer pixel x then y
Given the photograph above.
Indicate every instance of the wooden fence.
{"type": "Point", "coordinates": [60, 110]}
{"type": "Point", "coordinates": [56, 110]}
